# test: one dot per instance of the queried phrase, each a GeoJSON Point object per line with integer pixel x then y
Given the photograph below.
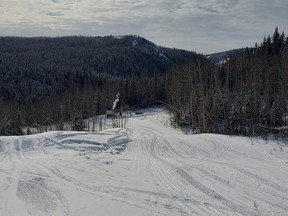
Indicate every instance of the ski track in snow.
{"type": "Point", "coordinates": [150, 169]}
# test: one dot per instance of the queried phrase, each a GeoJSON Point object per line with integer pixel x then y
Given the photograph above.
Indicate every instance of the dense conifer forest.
{"type": "Point", "coordinates": [55, 80]}
{"type": "Point", "coordinates": [247, 95]}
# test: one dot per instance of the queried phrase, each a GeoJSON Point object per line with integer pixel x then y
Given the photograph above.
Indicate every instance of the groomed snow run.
{"type": "Point", "coordinates": [148, 169]}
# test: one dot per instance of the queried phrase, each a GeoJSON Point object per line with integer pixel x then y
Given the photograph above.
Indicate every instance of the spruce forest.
{"type": "Point", "coordinates": [48, 81]}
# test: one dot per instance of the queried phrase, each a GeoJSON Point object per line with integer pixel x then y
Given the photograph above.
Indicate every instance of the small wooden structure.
{"type": "Point", "coordinates": [110, 114]}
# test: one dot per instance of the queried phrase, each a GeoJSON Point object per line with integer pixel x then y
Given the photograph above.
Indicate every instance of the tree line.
{"type": "Point", "coordinates": [247, 95]}
{"type": "Point", "coordinates": [48, 81]}
{"type": "Point", "coordinates": [54, 80]}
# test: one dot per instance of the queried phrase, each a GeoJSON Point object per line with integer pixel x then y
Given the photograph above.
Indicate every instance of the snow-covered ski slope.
{"type": "Point", "coordinates": [160, 172]}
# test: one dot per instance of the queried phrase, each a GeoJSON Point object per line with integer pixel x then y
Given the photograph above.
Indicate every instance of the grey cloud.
{"type": "Point", "coordinates": [204, 26]}
{"type": "Point", "coordinates": [50, 13]}
{"type": "Point", "coordinates": [207, 9]}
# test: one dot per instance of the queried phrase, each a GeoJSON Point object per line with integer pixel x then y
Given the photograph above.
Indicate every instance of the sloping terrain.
{"type": "Point", "coordinates": [42, 66]}
{"type": "Point", "coordinates": [222, 57]}
{"type": "Point", "coordinates": [148, 169]}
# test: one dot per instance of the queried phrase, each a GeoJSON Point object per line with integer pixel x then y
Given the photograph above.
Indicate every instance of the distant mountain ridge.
{"type": "Point", "coordinates": [222, 57]}
{"type": "Point", "coordinates": [103, 54]}
{"type": "Point", "coordinates": [43, 66]}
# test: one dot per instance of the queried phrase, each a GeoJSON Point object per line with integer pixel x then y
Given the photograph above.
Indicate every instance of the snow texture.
{"type": "Point", "coordinates": [147, 169]}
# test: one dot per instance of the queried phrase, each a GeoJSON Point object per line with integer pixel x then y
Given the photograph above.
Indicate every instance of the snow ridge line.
{"type": "Point", "coordinates": [120, 140]}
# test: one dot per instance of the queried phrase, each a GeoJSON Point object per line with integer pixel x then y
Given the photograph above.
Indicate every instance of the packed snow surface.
{"type": "Point", "coordinates": [148, 169]}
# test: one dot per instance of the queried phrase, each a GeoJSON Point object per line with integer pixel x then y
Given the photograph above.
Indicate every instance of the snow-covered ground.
{"type": "Point", "coordinates": [148, 169]}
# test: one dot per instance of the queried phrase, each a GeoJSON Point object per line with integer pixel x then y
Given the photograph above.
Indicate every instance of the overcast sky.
{"type": "Point", "coordinates": [198, 25]}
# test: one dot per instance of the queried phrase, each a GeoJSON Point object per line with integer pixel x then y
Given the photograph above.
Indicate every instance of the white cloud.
{"type": "Point", "coordinates": [201, 25]}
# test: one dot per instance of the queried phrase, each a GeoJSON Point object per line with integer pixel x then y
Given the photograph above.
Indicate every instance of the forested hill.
{"type": "Point", "coordinates": [47, 66]}
{"type": "Point", "coordinates": [46, 81]}
{"type": "Point", "coordinates": [54, 80]}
